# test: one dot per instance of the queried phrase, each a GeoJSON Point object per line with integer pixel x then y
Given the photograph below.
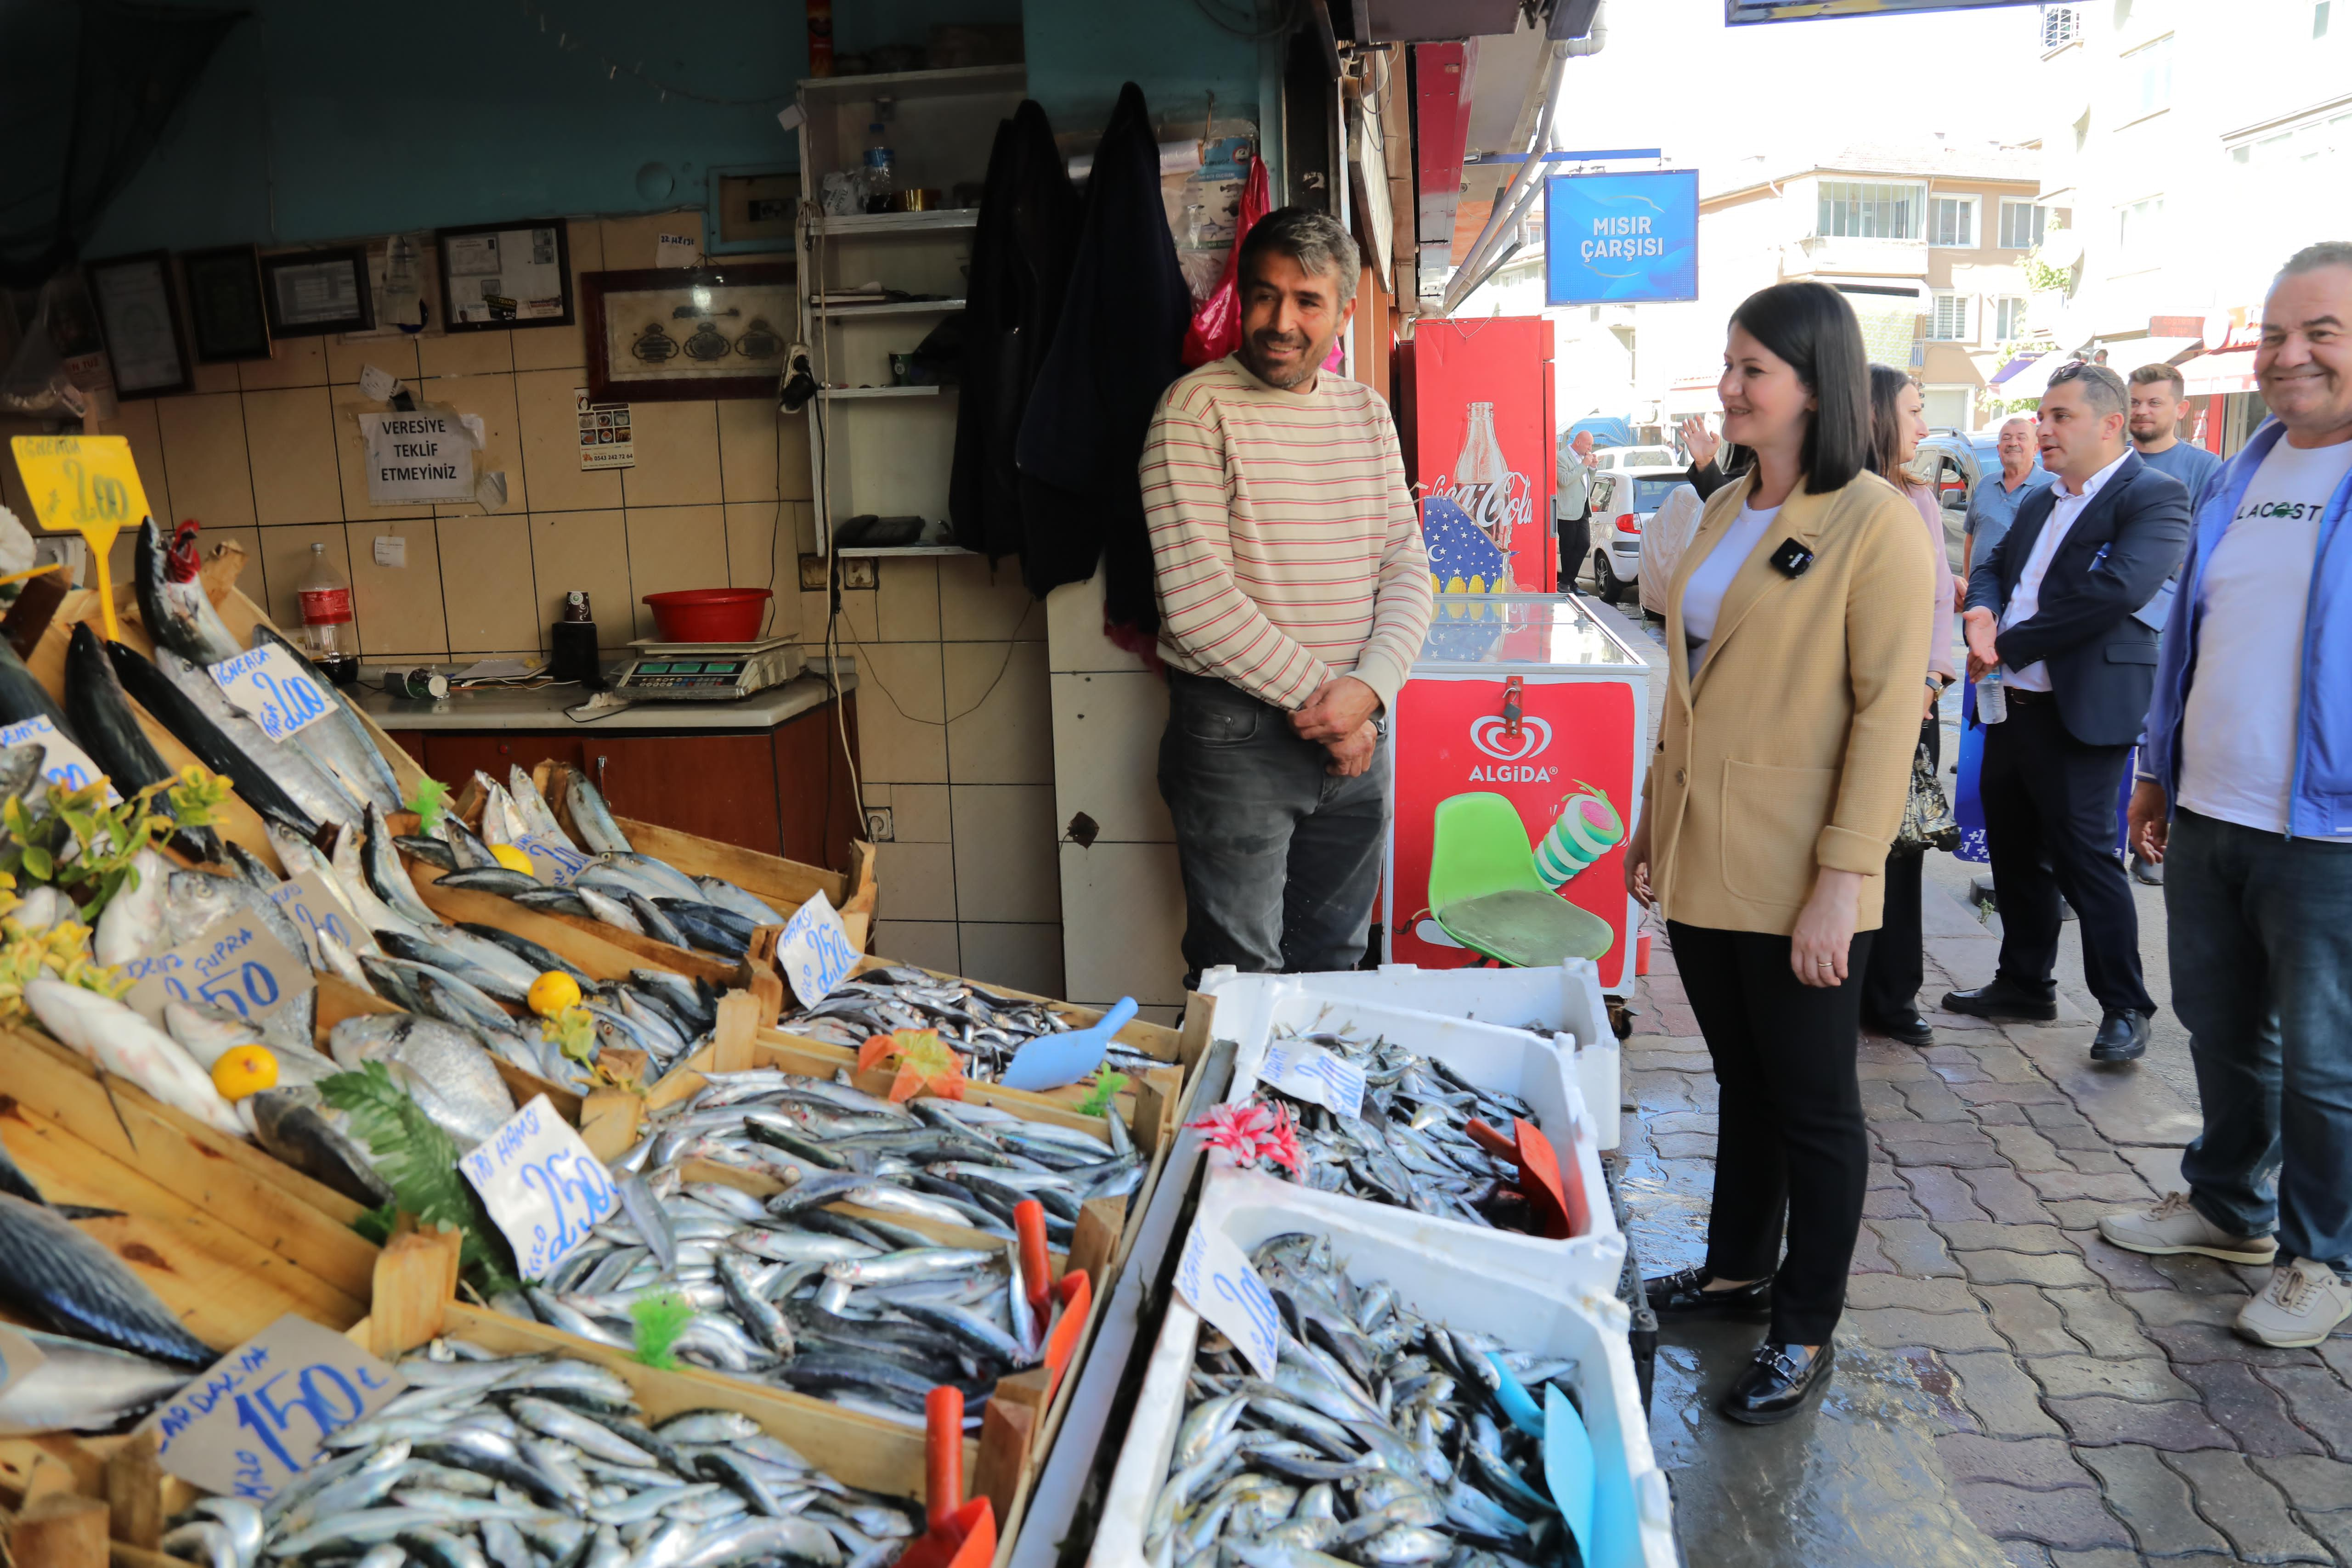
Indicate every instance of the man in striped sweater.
{"type": "Point", "coordinates": [1294, 594]}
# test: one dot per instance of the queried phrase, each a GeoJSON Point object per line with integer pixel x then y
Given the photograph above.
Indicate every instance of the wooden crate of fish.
{"type": "Point", "coordinates": [141, 1243]}
{"type": "Point", "coordinates": [1455, 1336]}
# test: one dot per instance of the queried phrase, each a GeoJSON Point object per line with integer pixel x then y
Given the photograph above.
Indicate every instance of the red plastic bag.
{"type": "Point", "coordinates": [1216, 329]}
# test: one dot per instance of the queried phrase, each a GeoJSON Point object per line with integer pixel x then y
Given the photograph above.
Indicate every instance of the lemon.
{"type": "Point", "coordinates": [244, 1070]}
{"type": "Point", "coordinates": [512, 858]}
{"type": "Point", "coordinates": [552, 992]}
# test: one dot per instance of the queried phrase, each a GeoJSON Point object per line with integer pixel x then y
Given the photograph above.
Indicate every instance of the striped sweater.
{"type": "Point", "coordinates": [1285, 543]}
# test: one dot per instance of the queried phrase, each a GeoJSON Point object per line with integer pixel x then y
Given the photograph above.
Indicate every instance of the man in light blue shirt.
{"type": "Point", "coordinates": [1993, 506]}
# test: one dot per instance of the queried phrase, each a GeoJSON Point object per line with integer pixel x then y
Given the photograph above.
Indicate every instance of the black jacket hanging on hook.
{"type": "Point", "coordinates": [1118, 345]}
{"type": "Point", "coordinates": [1020, 270]}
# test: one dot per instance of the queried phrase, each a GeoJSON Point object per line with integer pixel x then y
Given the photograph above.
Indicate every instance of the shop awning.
{"type": "Point", "coordinates": [2001, 376]}
{"type": "Point", "coordinates": [2032, 378]}
{"type": "Point", "coordinates": [2128, 355]}
{"type": "Point", "coordinates": [2229, 371]}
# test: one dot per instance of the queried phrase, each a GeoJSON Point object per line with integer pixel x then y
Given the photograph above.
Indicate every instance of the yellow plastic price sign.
{"type": "Point", "coordinates": [87, 485]}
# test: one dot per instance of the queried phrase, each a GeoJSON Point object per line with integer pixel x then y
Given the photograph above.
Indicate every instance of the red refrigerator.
{"type": "Point", "coordinates": [1477, 422]}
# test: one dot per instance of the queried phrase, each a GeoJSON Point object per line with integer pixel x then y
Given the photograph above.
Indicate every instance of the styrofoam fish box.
{"type": "Point", "coordinates": [1537, 1069]}
{"type": "Point", "coordinates": [1442, 1271]}
{"type": "Point", "coordinates": [1565, 998]}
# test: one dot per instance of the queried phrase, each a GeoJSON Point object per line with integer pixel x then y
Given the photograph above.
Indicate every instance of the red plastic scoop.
{"type": "Point", "coordinates": [1555, 1193]}
{"type": "Point", "coordinates": [963, 1534]}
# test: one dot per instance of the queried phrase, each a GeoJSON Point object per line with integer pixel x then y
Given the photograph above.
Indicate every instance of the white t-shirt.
{"type": "Point", "coordinates": [1703, 593]}
{"type": "Point", "coordinates": [2238, 732]}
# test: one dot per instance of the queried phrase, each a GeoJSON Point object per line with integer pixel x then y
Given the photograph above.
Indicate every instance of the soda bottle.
{"type": "Point", "coordinates": [327, 633]}
{"type": "Point", "coordinates": [1482, 478]}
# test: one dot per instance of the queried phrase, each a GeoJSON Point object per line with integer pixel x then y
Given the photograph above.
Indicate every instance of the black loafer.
{"type": "Point", "coordinates": [1685, 1295]}
{"type": "Point", "coordinates": [2001, 1000]}
{"type": "Point", "coordinates": [1775, 1384]}
{"type": "Point", "coordinates": [2122, 1036]}
{"type": "Point", "coordinates": [1908, 1027]}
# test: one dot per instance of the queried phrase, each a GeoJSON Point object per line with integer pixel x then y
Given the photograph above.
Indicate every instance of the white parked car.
{"type": "Point", "coordinates": [1623, 504]}
{"type": "Point", "coordinates": [1609, 458]}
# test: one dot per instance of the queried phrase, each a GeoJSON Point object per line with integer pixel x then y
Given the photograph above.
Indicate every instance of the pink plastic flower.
{"type": "Point", "coordinates": [1255, 1131]}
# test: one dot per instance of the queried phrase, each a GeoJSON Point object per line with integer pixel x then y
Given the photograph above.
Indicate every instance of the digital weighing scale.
{"type": "Point", "coordinates": [707, 671]}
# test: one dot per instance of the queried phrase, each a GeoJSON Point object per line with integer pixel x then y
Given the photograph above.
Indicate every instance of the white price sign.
{"type": "Point", "coordinates": [541, 1185]}
{"type": "Point", "coordinates": [313, 908]}
{"type": "Point", "coordinates": [1314, 1072]}
{"type": "Point", "coordinates": [815, 951]}
{"type": "Point", "coordinates": [236, 964]}
{"type": "Point", "coordinates": [556, 864]}
{"type": "Point", "coordinates": [1216, 1278]}
{"type": "Point", "coordinates": [266, 681]}
{"type": "Point", "coordinates": [250, 1423]}
{"type": "Point", "coordinates": [62, 762]}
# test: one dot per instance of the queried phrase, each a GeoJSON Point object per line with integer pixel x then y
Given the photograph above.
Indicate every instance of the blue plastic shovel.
{"type": "Point", "coordinates": [1568, 1466]}
{"type": "Point", "coordinates": [1052, 1060]}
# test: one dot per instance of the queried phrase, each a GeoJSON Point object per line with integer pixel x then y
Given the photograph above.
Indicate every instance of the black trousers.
{"type": "Point", "coordinates": [1575, 547]}
{"type": "Point", "coordinates": [2050, 824]}
{"type": "Point", "coordinates": [1898, 964]}
{"type": "Point", "coordinates": [1791, 1151]}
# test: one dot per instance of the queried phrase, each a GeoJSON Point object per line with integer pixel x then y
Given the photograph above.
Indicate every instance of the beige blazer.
{"type": "Point", "coordinates": [1792, 748]}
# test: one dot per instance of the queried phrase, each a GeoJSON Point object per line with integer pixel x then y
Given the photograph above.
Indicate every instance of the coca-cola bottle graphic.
{"type": "Point", "coordinates": [1482, 481]}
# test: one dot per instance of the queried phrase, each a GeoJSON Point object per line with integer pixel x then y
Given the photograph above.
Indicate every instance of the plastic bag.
{"type": "Point", "coordinates": [1216, 329]}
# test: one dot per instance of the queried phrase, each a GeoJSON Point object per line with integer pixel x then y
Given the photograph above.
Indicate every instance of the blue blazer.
{"type": "Point", "coordinates": [2102, 659]}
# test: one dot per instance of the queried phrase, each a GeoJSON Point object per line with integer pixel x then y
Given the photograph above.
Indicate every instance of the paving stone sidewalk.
{"type": "Point", "coordinates": [2088, 1408]}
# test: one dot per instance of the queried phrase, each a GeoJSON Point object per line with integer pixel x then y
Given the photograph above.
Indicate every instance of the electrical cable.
{"type": "Point", "coordinates": [1286, 11]}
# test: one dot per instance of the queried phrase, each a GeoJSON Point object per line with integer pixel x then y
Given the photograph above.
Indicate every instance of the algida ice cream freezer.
{"type": "Point", "coordinates": [1519, 741]}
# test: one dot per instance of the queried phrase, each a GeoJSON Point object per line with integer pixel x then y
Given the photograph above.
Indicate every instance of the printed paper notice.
{"type": "Point", "coordinates": [249, 1425]}
{"type": "Point", "coordinates": [1310, 1071]}
{"type": "Point", "coordinates": [815, 951]}
{"type": "Point", "coordinates": [541, 1185]}
{"type": "Point", "coordinates": [604, 439]}
{"type": "Point", "coordinates": [1216, 1278]}
{"type": "Point", "coordinates": [425, 455]}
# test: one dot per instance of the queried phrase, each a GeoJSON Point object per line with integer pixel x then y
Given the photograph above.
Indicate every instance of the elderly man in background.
{"type": "Point", "coordinates": [2245, 795]}
{"type": "Point", "coordinates": [1294, 594]}
{"type": "Point", "coordinates": [1992, 506]}
{"type": "Point", "coordinates": [1572, 506]}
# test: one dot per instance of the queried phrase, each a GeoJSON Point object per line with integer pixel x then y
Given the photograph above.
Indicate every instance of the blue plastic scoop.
{"type": "Point", "coordinates": [1053, 1061]}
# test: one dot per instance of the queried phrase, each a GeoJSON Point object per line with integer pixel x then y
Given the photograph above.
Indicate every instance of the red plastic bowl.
{"type": "Point", "coordinates": [710, 614]}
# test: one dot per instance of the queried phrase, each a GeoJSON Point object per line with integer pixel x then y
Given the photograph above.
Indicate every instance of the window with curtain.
{"type": "Point", "coordinates": [2023, 224]}
{"type": "Point", "coordinates": [2147, 79]}
{"type": "Point", "coordinates": [2060, 25]}
{"type": "Point", "coordinates": [1952, 221]}
{"type": "Point", "coordinates": [1949, 324]}
{"type": "Point", "coordinates": [2009, 317]}
{"type": "Point", "coordinates": [1856, 209]}
{"type": "Point", "coordinates": [2139, 232]}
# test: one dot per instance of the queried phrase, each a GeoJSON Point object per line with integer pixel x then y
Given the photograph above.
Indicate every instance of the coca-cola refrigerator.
{"type": "Point", "coordinates": [1519, 743]}
{"type": "Point", "coordinates": [1477, 421]}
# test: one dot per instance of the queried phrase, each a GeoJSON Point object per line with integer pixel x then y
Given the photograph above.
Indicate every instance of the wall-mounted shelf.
{"type": "Point", "coordinates": [902, 549]}
{"type": "Point", "coordinates": [895, 308]}
{"type": "Point", "coordinates": [882, 226]}
{"type": "Point", "coordinates": [916, 84]}
{"type": "Point", "coordinates": [834, 394]}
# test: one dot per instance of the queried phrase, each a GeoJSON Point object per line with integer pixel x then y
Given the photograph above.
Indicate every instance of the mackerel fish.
{"type": "Point", "coordinates": [979, 1025]}
{"type": "Point", "coordinates": [490, 1461]}
{"type": "Point", "coordinates": [1380, 1440]}
{"type": "Point", "coordinates": [1411, 1148]}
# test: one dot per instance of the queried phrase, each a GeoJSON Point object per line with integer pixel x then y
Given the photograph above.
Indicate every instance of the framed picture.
{"type": "Point", "coordinates": [506, 274]}
{"type": "Point", "coordinates": [752, 209]}
{"type": "Point", "coordinates": [225, 319]}
{"type": "Point", "coordinates": [675, 333]}
{"type": "Point", "coordinates": [311, 293]}
{"type": "Point", "coordinates": [141, 318]}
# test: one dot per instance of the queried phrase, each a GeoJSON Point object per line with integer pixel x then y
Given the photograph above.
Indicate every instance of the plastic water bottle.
{"type": "Point", "coordinates": [1992, 700]}
{"type": "Point", "coordinates": [880, 173]}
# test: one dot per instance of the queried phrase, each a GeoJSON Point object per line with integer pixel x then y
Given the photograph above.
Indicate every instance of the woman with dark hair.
{"type": "Point", "coordinates": [1890, 982]}
{"type": "Point", "coordinates": [1797, 622]}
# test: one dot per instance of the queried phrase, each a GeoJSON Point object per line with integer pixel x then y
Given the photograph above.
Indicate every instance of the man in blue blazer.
{"type": "Point", "coordinates": [2052, 605]}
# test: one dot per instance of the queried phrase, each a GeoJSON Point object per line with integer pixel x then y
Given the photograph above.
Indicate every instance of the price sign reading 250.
{"type": "Point", "coordinates": [541, 1185]}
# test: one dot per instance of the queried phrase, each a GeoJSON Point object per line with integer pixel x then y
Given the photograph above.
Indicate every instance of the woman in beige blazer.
{"type": "Point", "coordinates": [1797, 624]}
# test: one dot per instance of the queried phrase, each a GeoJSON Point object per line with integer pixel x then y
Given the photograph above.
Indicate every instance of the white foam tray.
{"type": "Point", "coordinates": [1252, 1008]}
{"type": "Point", "coordinates": [1447, 1273]}
{"type": "Point", "coordinates": [1566, 1000]}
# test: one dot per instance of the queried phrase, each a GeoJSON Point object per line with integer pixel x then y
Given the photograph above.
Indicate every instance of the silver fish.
{"type": "Point", "coordinates": [81, 1386]}
{"type": "Point", "coordinates": [450, 1075]}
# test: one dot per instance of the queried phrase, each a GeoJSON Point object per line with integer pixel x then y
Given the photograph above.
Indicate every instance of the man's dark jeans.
{"type": "Point", "coordinates": [1280, 858]}
{"type": "Point", "coordinates": [2260, 936]}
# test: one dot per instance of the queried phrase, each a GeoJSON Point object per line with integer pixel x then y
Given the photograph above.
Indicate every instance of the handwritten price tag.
{"type": "Point", "coordinates": [313, 908]}
{"type": "Point", "coordinates": [1314, 1072]}
{"type": "Point", "coordinates": [236, 964]}
{"type": "Point", "coordinates": [815, 951]}
{"type": "Point", "coordinates": [556, 864]}
{"type": "Point", "coordinates": [280, 693]}
{"type": "Point", "coordinates": [62, 762]}
{"type": "Point", "coordinates": [248, 1427]}
{"type": "Point", "coordinates": [1216, 1278]}
{"type": "Point", "coordinates": [541, 1185]}
{"type": "Point", "coordinates": [86, 484]}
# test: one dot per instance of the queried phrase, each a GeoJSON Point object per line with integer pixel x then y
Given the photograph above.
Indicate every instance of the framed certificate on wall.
{"type": "Point", "coordinates": [506, 274]}
{"type": "Point", "coordinates": [139, 317]}
{"type": "Point", "coordinates": [312, 293]}
{"type": "Point", "coordinates": [226, 317]}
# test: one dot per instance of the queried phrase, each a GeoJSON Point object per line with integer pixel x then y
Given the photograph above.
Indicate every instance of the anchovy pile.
{"type": "Point", "coordinates": [857, 1308]}
{"type": "Point", "coordinates": [490, 1461]}
{"type": "Point", "coordinates": [983, 1028]}
{"type": "Point", "coordinates": [1412, 1146]}
{"type": "Point", "coordinates": [1380, 1440]}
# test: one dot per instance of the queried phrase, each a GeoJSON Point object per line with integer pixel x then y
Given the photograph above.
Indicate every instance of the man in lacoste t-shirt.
{"type": "Point", "coordinates": [2250, 754]}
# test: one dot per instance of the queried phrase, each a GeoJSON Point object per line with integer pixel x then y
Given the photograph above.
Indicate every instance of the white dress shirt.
{"type": "Point", "coordinates": [2026, 599]}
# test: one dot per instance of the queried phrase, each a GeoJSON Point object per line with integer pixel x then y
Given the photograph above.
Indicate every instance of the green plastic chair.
{"type": "Point", "coordinates": [1484, 891]}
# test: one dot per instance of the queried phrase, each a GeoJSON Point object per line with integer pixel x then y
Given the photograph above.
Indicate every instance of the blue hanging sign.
{"type": "Point", "coordinates": [1615, 239]}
